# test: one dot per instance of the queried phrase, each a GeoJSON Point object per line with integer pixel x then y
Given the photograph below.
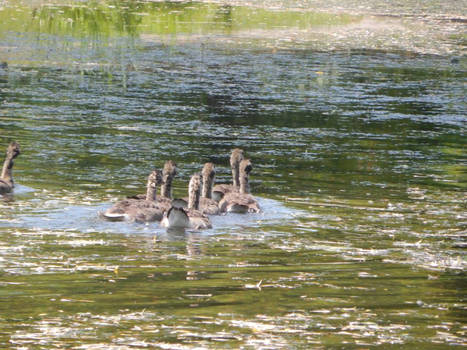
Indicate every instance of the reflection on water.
{"type": "Point", "coordinates": [357, 139]}
{"type": "Point", "coordinates": [100, 34]}
{"type": "Point", "coordinates": [97, 20]}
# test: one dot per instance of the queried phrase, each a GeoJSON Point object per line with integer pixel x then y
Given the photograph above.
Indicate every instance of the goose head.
{"type": "Point", "coordinates": [194, 189]}
{"type": "Point", "coordinates": [168, 173]}
{"type": "Point", "coordinates": [235, 159]}
{"type": "Point", "coordinates": [154, 180]}
{"type": "Point", "coordinates": [13, 150]}
{"type": "Point", "coordinates": [208, 175]}
{"type": "Point", "coordinates": [245, 169]}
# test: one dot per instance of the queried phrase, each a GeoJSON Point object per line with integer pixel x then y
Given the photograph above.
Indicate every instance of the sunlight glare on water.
{"type": "Point", "coordinates": [353, 114]}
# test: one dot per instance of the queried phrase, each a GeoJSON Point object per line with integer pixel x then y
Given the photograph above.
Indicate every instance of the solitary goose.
{"type": "Point", "coordinates": [242, 201]}
{"type": "Point", "coordinates": [140, 210]}
{"type": "Point", "coordinates": [178, 217]}
{"type": "Point", "coordinates": [168, 173]}
{"type": "Point", "coordinates": [220, 190]}
{"type": "Point", "coordinates": [6, 178]}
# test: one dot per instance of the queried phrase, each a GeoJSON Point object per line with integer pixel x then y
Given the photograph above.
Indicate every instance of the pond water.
{"type": "Point", "coordinates": [353, 114]}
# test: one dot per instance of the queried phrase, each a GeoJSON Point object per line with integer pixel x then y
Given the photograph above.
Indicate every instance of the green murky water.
{"type": "Point", "coordinates": [355, 122]}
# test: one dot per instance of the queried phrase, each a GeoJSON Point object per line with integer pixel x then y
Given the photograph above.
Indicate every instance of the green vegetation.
{"type": "Point", "coordinates": [116, 18]}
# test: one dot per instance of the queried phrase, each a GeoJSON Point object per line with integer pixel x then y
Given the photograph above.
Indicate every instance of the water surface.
{"type": "Point", "coordinates": [355, 124]}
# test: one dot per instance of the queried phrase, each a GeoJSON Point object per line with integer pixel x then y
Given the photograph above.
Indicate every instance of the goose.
{"type": "Point", "coordinates": [168, 173]}
{"type": "Point", "coordinates": [220, 190]}
{"type": "Point", "coordinates": [207, 205]}
{"type": "Point", "coordinates": [192, 218]}
{"type": "Point", "coordinates": [242, 201]}
{"type": "Point", "coordinates": [139, 210]}
{"type": "Point", "coordinates": [6, 179]}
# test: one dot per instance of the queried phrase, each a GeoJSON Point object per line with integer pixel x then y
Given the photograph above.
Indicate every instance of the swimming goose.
{"type": "Point", "coordinates": [206, 204]}
{"type": "Point", "coordinates": [220, 190]}
{"type": "Point", "coordinates": [6, 178]}
{"type": "Point", "coordinates": [178, 217]}
{"type": "Point", "coordinates": [242, 201]}
{"type": "Point", "coordinates": [168, 173]}
{"type": "Point", "coordinates": [140, 210]}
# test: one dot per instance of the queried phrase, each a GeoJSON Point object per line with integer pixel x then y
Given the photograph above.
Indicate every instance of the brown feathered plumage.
{"type": "Point", "coordinates": [190, 217]}
{"type": "Point", "coordinates": [241, 201]}
{"type": "Point", "coordinates": [6, 178]}
{"type": "Point", "coordinates": [220, 190]}
{"type": "Point", "coordinates": [140, 210]}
